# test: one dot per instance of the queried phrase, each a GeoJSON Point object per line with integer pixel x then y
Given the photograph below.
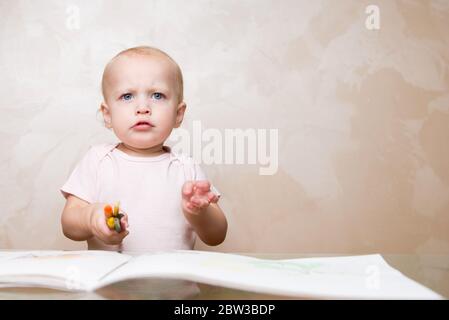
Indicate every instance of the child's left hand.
{"type": "Point", "coordinates": [196, 196]}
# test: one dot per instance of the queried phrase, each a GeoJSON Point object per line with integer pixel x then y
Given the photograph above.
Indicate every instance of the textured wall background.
{"type": "Point", "coordinates": [363, 115]}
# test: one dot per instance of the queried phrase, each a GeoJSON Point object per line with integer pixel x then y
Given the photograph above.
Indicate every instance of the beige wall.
{"type": "Point", "coordinates": [363, 115]}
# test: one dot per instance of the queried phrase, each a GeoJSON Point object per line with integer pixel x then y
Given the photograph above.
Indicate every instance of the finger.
{"type": "Point", "coordinates": [204, 203]}
{"type": "Point", "coordinates": [202, 185]}
{"type": "Point", "coordinates": [196, 205]}
{"type": "Point", "coordinates": [123, 225]}
{"type": "Point", "coordinates": [123, 234]}
{"type": "Point", "coordinates": [200, 202]}
{"type": "Point", "coordinates": [187, 189]}
{"type": "Point", "coordinates": [118, 237]}
{"type": "Point", "coordinates": [124, 221]}
{"type": "Point", "coordinates": [213, 198]}
{"type": "Point", "coordinates": [191, 207]}
{"type": "Point", "coordinates": [108, 237]}
{"type": "Point", "coordinates": [196, 201]}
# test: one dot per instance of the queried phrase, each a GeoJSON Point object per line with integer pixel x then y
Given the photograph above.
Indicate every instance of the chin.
{"type": "Point", "coordinates": [142, 140]}
{"type": "Point", "coordinates": [141, 144]}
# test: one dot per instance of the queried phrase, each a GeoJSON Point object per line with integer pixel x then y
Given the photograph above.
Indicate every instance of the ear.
{"type": "Point", "coordinates": [180, 113]}
{"type": "Point", "coordinates": [106, 115]}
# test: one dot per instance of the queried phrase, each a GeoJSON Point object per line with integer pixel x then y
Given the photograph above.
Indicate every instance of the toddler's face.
{"type": "Point", "coordinates": [141, 88]}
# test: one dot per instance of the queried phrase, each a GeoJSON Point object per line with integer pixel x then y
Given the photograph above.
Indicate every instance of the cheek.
{"type": "Point", "coordinates": [164, 114]}
{"type": "Point", "coordinates": [120, 117]}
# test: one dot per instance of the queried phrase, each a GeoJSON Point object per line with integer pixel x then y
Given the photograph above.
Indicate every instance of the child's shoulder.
{"type": "Point", "coordinates": [182, 157]}
{"type": "Point", "coordinates": [192, 168]}
{"type": "Point", "coordinates": [100, 150]}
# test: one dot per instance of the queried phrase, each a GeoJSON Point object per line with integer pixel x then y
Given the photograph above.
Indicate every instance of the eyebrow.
{"type": "Point", "coordinates": [131, 89]}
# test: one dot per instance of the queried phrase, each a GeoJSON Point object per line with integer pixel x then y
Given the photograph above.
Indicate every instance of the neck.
{"type": "Point", "coordinates": [154, 151]}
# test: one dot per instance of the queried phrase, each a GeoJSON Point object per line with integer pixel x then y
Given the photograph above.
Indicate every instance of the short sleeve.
{"type": "Point", "coordinates": [83, 179]}
{"type": "Point", "coordinates": [200, 175]}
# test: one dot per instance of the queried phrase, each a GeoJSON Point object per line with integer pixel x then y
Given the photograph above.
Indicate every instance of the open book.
{"type": "Point", "coordinates": [357, 277]}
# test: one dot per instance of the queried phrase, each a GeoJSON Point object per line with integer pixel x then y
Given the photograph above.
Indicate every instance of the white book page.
{"type": "Point", "coordinates": [65, 270]}
{"type": "Point", "coordinates": [7, 255]}
{"type": "Point", "coordinates": [354, 277]}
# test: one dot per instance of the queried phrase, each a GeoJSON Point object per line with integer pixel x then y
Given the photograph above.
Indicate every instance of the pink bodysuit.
{"type": "Point", "coordinates": [149, 191]}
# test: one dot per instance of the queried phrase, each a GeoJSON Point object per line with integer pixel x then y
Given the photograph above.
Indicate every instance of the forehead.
{"type": "Point", "coordinates": [136, 69]}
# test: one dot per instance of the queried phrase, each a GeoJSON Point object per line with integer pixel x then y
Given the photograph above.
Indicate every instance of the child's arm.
{"type": "Point", "coordinates": [200, 208]}
{"type": "Point", "coordinates": [81, 221]}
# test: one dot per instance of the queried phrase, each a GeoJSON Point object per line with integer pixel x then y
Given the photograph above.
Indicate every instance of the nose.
{"type": "Point", "coordinates": [143, 109]}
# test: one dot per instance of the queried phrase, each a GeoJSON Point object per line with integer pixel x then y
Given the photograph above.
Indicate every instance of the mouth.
{"type": "Point", "coordinates": [143, 125]}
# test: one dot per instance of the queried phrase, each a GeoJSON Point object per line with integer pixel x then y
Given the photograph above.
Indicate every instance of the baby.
{"type": "Point", "coordinates": [166, 199]}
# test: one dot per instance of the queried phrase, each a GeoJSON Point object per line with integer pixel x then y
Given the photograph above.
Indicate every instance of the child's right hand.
{"type": "Point", "coordinates": [100, 229]}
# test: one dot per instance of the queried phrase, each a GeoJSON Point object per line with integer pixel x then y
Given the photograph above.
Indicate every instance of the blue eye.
{"type": "Point", "coordinates": [157, 96]}
{"type": "Point", "coordinates": [127, 96]}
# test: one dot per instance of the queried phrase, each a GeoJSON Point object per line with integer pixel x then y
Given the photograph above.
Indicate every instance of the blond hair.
{"type": "Point", "coordinates": [147, 51]}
